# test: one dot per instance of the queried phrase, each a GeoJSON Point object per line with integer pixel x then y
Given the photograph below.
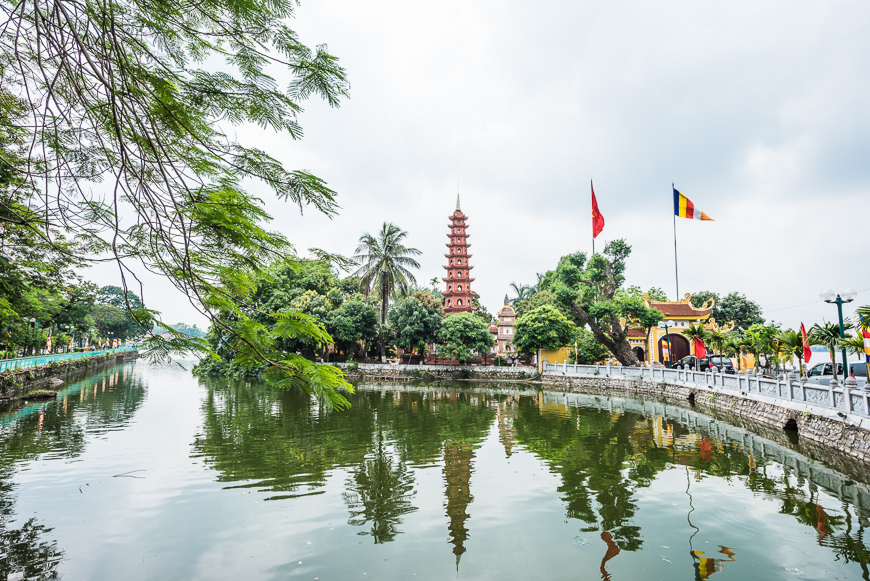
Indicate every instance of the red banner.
{"type": "Point", "coordinates": [597, 218]}
{"type": "Point", "coordinates": [700, 349]}
{"type": "Point", "coordinates": [807, 351]}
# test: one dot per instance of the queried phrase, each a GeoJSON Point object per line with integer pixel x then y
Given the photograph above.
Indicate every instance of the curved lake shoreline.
{"type": "Point", "coordinates": [204, 479]}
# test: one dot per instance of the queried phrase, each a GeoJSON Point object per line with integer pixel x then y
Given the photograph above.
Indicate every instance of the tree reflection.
{"type": "Point", "coordinates": [55, 429]}
{"type": "Point", "coordinates": [380, 492]}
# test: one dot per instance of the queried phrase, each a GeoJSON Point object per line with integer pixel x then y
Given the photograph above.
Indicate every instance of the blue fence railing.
{"type": "Point", "coordinates": [37, 360]}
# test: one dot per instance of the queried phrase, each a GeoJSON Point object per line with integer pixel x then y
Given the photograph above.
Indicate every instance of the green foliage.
{"type": "Point", "coordinates": [543, 328]}
{"type": "Point", "coordinates": [589, 349]}
{"type": "Point", "coordinates": [383, 262]}
{"type": "Point", "coordinates": [634, 291]}
{"type": "Point", "coordinates": [416, 319]}
{"type": "Point", "coordinates": [588, 290]}
{"type": "Point", "coordinates": [732, 307]}
{"type": "Point", "coordinates": [354, 322]}
{"type": "Point", "coordinates": [132, 125]}
{"type": "Point", "coordinates": [827, 335]}
{"type": "Point", "coordinates": [463, 333]}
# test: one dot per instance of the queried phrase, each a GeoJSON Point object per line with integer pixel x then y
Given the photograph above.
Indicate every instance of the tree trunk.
{"type": "Point", "coordinates": [384, 295]}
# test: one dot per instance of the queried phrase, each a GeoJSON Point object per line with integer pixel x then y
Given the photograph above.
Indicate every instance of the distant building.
{"type": "Point", "coordinates": [457, 295]}
{"type": "Point", "coordinates": [504, 332]}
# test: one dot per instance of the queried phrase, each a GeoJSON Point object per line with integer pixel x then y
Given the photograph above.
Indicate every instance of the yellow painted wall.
{"type": "Point", "coordinates": [552, 356]}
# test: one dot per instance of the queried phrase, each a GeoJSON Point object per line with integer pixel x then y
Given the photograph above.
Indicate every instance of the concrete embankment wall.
{"type": "Point", "coordinates": [19, 382]}
{"type": "Point", "coordinates": [437, 372]}
{"type": "Point", "coordinates": [848, 434]}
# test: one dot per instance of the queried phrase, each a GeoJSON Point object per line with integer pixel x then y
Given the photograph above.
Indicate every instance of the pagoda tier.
{"type": "Point", "coordinates": [458, 296]}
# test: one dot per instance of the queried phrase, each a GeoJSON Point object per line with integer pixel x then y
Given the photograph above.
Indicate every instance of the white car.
{"type": "Point", "coordinates": [821, 373]}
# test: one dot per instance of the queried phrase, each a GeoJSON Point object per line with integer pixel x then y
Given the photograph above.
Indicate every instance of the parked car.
{"type": "Point", "coordinates": [821, 373]}
{"type": "Point", "coordinates": [721, 362]}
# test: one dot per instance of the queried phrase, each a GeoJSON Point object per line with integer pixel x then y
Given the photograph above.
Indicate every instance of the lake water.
{"type": "Point", "coordinates": [145, 472]}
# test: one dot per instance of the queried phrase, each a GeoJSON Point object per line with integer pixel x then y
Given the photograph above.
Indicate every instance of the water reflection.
{"type": "Point", "coordinates": [51, 430]}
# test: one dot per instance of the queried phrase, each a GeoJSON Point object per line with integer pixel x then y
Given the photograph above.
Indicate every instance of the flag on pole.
{"type": "Point", "coordinates": [72, 341]}
{"type": "Point", "coordinates": [684, 208]}
{"type": "Point", "coordinates": [48, 340]}
{"type": "Point", "coordinates": [700, 349]}
{"type": "Point", "coordinates": [597, 218]}
{"type": "Point", "coordinates": [867, 345]}
{"type": "Point", "coordinates": [809, 352]}
{"type": "Point", "coordinates": [666, 348]}
{"type": "Point", "coordinates": [87, 340]}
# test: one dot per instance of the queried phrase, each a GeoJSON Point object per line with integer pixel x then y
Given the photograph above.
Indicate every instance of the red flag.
{"type": "Point", "coordinates": [597, 218]}
{"type": "Point", "coordinates": [700, 350]}
{"type": "Point", "coordinates": [807, 351]}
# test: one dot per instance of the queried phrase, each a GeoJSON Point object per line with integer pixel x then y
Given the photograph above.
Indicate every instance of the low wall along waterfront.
{"type": "Point", "coordinates": [17, 383]}
{"type": "Point", "coordinates": [834, 417]}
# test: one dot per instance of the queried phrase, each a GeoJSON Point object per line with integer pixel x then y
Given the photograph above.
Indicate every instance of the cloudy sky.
{"type": "Point", "coordinates": [758, 112]}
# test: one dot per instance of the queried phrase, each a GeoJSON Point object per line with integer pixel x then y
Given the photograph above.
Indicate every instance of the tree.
{"type": "Point", "coordinates": [793, 344]}
{"type": "Point", "coordinates": [132, 139]}
{"type": "Point", "coordinates": [118, 297]}
{"type": "Point", "coordinates": [589, 350]}
{"type": "Point", "coordinates": [416, 319]}
{"type": "Point", "coordinates": [588, 291]}
{"type": "Point", "coordinates": [732, 307]}
{"type": "Point", "coordinates": [863, 316]}
{"type": "Point", "coordinates": [462, 334]}
{"type": "Point", "coordinates": [383, 266]}
{"type": "Point", "coordinates": [523, 292]}
{"type": "Point", "coordinates": [543, 328]}
{"type": "Point", "coordinates": [354, 322]}
{"type": "Point", "coordinates": [828, 335]}
{"type": "Point", "coordinates": [693, 332]}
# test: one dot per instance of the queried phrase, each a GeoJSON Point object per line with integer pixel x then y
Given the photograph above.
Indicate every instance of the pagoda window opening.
{"type": "Point", "coordinates": [459, 288]}
{"type": "Point", "coordinates": [450, 287]}
{"type": "Point", "coordinates": [448, 302]}
{"type": "Point", "coordinates": [459, 301]}
{"type": "Point", "coordinates": [459, 261]}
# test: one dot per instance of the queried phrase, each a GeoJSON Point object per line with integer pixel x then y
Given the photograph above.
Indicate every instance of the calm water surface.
{"type": "Point", "coordinates": [145, 472]}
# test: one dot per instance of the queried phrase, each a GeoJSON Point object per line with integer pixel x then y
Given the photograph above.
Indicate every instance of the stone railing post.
{"type": "Point", "coordinates": [608, 369]}
{"type": "Point", "coordinates": [848, 385]}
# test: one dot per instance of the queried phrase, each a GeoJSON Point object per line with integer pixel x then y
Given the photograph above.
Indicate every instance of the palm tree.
{"type": "Point", "coordinates": [793, 344]}
{"type": "Point", "coordinates": [384, 261]}
{"type": "Point", "coordinates": [693, 332]}
{"type": "Point", "coordinates": [733, 347]}
{"type": "Point", "coordinates": [863, 316]}
{"type": "Point", "coordinates": [854, 344]}
{"type": "Point", "coordinates": [828, 334]}
{"type": "Point", "coordinates": [523, 291]}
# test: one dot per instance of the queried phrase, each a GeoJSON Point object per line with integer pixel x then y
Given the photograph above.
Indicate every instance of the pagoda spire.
{"type": "Point", "coordinates": [458, 296]}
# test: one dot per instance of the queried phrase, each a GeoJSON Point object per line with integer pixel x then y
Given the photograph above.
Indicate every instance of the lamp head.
{"type": "Point", "coordinates": [848, 295]}
{"type": "Point", "coordinates": [827, 295]}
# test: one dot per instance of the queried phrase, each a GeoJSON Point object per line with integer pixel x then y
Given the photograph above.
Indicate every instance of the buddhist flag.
{"type": "Point", "coordinates": [48, 340]}
{"type": "Point", "coordinates": [597, 218]}
{"type": "Point", "coordinates": [684, 208]}
{"type": "Point", "coordinates": [72, 341]}
{"type": "Point", "coordinates": [867, 345]}
{"type": "Point", "coordinates": [666, 348]}
{"type": "Point", "coordinates": [700, 349]}
{"type": "Point", "coordinates": [87, 340]}
{"type": "Point", "coordinates": [809, 352]}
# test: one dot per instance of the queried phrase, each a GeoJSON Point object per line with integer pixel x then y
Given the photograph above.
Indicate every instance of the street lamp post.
{"type": "Point", "coordinates": [847, 296]}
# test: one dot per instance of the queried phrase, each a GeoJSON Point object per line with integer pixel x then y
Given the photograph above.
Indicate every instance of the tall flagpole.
{"type": "Point", "coordinates": [676, 265]}
{"type": "Point", "coordinates": [591, 189]}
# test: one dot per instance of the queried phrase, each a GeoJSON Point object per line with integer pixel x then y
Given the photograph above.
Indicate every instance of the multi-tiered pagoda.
{"type": "Point", "coordinates": [458, 295]}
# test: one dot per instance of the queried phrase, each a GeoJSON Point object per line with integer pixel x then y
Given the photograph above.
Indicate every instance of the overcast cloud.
{"type": "Point", "coordinates": [758, 112]}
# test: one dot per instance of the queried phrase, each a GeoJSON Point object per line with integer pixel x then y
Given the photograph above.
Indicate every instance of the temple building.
{"type": "Point", "coordinates": [504, 332]}
{"type": "Point", "coordinates": [458, 296]}
{"type": "Point", "coordinates": [678, 316]}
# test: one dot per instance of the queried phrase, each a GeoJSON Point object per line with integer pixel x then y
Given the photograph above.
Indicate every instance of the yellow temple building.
{"type": "Point", "coordinates": [679, 316]}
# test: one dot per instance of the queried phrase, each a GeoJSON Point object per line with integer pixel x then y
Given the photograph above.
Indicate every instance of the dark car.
{"type": "Point", "coordinates": [721, 362]}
